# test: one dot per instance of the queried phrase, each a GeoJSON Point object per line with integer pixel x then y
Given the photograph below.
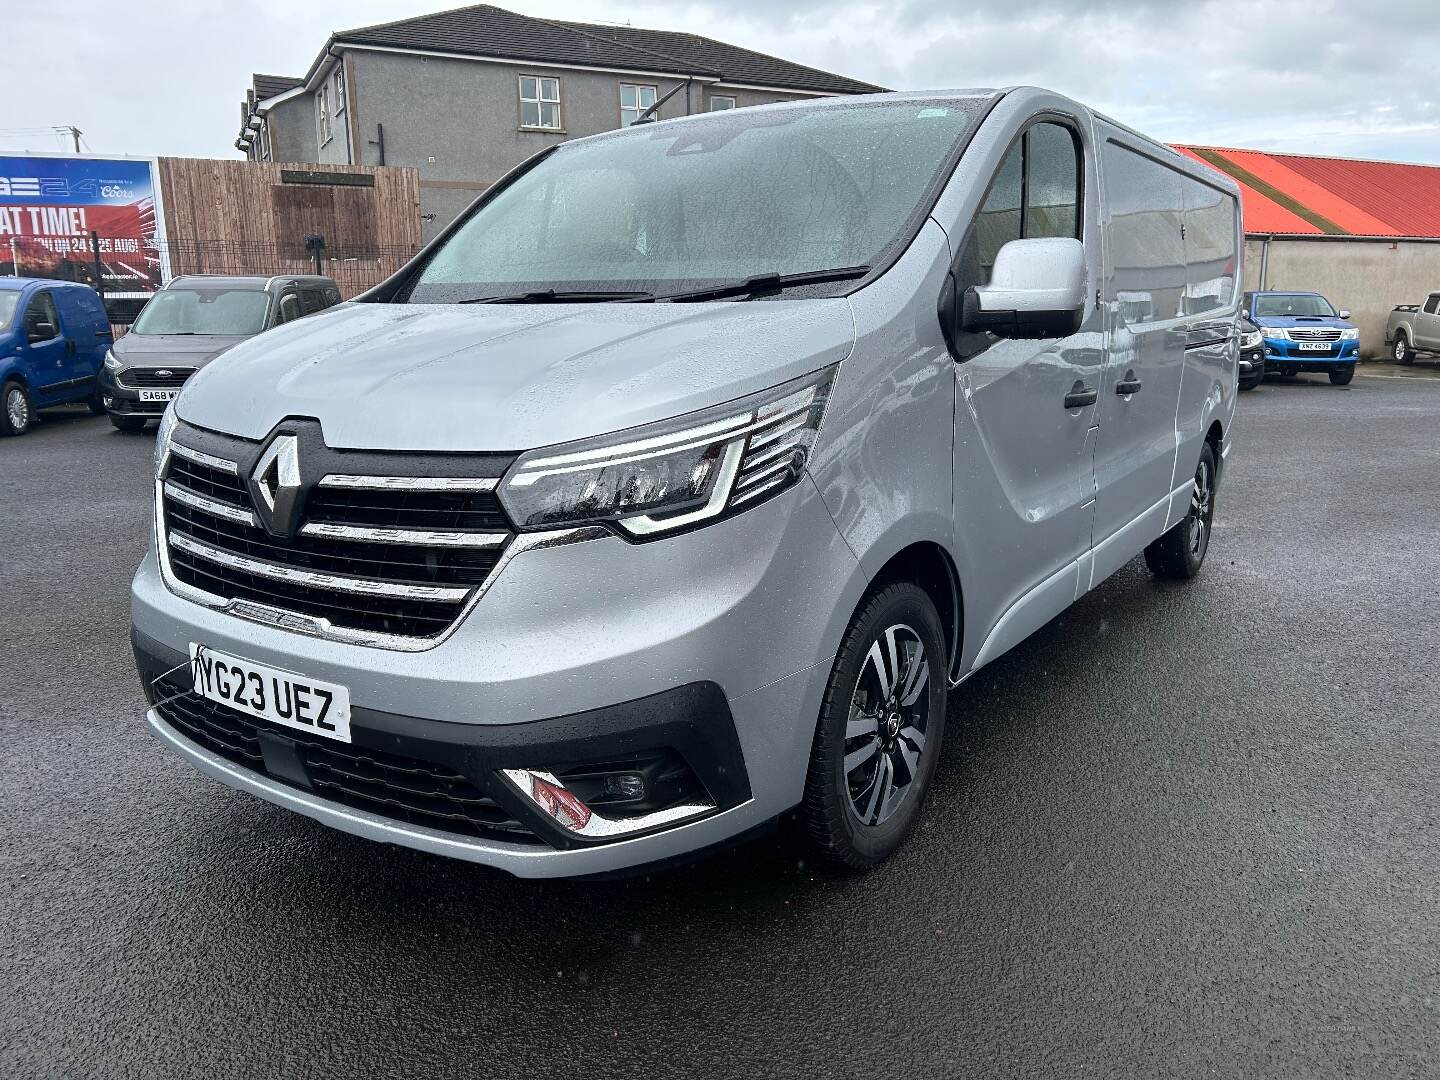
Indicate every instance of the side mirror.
{"type": "Point", "coordinates": [1037, 290]}
{"type": "Point", "coordinates": [289, 309]}
{"type": "Point", "coordinates": [1344, 314]}
{"type": "Point", "coordinates": [40, 331]}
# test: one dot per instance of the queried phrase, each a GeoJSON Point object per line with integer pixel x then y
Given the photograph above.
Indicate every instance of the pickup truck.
{"type": "Point", "coordinates": [1414, 328]}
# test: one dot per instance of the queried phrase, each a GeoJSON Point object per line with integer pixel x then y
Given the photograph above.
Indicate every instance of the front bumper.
{"type": "Point", "coordinates": [1287, 356]}
{"type": "Point", "coordinates": [121, 400]}
{"type": "Point", "coordinates": [1252, 363]}
{"type": "Point", "coordinates": [573, 632]}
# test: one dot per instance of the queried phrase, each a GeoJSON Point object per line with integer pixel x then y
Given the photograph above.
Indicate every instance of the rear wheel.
{"type": "Point", "coordinates": [16, 412]}
{"type": "Point", "coordinates": [128, 424]}
{"type": "Point", "coordinates": [1181, 551]}
{"type": "Point", "coordinates": [880, 728]}
{"type": "Point", "coordinates": [1401, 351]}
{"type": "Point", "coordinates": [1341, 376]}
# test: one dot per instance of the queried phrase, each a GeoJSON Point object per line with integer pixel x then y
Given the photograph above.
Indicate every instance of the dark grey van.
{"type": "Point", "coordinates": [190, 322]}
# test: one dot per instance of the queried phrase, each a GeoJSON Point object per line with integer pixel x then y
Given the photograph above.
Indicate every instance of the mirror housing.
{"type": "Point", "coordinates": [40, 331]}
{"type": "Point", "coordinates": [1344, 313]}
{"type": "Point", "coordinates": [1037, 290]}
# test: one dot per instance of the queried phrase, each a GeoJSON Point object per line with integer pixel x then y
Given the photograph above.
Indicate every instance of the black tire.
{"type": "Point", "coordinates": [1401, 350]}
{"type": "Point", "coordinates": [857, 817]}
{"type": "Point", "coordinates": [131, 425]}
{"type": "Point", "coordinates": [97, 407]}
{"type": "Point", "coordinates": [1341, 376]}
{"type": "Point", "coordinates": [17, 414]}
{"type": "Point", "coordinates": [1180, 553]}
{"type": "Point", "coordinates": [1251, 384]}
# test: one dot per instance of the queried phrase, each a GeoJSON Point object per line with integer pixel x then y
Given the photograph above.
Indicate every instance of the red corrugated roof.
{"type": "Point", "coordinates": [1296, 193]}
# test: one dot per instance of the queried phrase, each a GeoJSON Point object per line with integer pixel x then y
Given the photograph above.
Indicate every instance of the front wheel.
{"type": "Point", "coordinates": [16, 413]}
{"type": "Point", "coordinates": [1402, 352]}
{"type": "Point", "coordinates": [1341, 376]}
{"type": "Point", "coordinates": [1181, 551]}
{"type": "Point", "coordinates": [1252, 382]}
{"type": "Point", "coordinates": [881, 724]}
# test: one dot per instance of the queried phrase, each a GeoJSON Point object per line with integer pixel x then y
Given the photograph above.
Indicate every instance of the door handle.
{"type": "Point", "coordinates": [1081, 395]}
{"type": "Point", "coordinates": [1128, 385]}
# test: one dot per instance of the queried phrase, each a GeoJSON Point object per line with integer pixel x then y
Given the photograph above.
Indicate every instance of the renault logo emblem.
{"type": "Point", "coordinates": [275, 482]}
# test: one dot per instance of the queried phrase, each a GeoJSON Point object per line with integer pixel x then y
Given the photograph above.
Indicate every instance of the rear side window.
{"type": "Point", "coordinates": [1432, 304]}
{"type": "Point", "coordinates": [1147, 253]}
{"type": "Point", "coordinates": [1035, 193]}
{"type": "Point", "coordinates": [1210, 247]}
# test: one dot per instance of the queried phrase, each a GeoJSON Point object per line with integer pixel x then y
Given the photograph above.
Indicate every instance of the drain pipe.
{"type": "Point", "coordinates": [1265, 263]}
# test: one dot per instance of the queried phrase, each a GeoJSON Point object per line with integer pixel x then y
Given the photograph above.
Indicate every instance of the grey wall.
{"type": "Point", "coordinates": [1367, 276]}
{"type": "Point", "coordinates": [458, 121]}
{"type": "Point", "coordinates": [292, 129]}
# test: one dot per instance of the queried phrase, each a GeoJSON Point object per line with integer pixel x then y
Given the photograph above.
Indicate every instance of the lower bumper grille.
{"type": "Point", "coordinates": [392, 785]}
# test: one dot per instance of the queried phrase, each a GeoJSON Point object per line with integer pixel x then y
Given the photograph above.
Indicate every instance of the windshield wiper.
{"type": "Point", "coordinates": [551, 296]}
{"type": "Point", "coordinates": [768, 283]}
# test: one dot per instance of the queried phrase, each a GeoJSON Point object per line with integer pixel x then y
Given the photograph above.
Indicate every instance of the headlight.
{"type": "Point", "coordinates": [1351, 334]}
{"type": "Point", "coordinates": [1251, 340]}
{"type": "Point", "coordinates": [162, 438]}
{"type": "Point", "coordinates": [1274, 332]}
{"type": "Point", "coordinates": [661, 478]}
{"type": "Point", "coordinates": [112, 361]}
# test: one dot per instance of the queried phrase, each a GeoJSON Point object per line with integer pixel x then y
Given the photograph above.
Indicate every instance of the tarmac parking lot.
{"type": "Point", "coordinates": [1182, 831]}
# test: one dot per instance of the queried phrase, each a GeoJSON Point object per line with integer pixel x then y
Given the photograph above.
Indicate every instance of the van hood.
{"type": "Point", "coordinates": [508, 377]}
{"type": "Point", "coordinates": [181, 350]}
{"type": "Point", "coordinates": [1288, 322]}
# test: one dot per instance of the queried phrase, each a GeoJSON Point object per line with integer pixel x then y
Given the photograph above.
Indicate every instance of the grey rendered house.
{"type": "Point", "coordinates": [464, 95]}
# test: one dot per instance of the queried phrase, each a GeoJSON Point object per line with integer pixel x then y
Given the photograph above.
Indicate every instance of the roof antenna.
{"type": "Point", "coordinates": [648, 116]}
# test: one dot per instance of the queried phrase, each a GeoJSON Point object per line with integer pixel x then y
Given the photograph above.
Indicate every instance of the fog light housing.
{"type": "Point", "coordinates": [594, 818]}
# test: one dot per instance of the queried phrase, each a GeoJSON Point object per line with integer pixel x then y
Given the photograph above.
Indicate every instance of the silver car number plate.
{"type": "Point", "coordinates": [282, 697]}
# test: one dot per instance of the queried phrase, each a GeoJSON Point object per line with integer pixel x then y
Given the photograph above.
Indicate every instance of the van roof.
{"type": "Point", "coordinates": [14, 284]}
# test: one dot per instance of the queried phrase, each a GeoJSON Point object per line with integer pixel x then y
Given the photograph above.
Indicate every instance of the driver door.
{"type": "Point", "coordinates": [46, 362]}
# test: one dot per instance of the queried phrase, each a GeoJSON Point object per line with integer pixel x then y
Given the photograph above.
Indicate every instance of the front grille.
{"type": "Point", "coordinates": [152, 378]}
{"type": "Point", "coordinates": [1314, 334]}
{"type": "Point", "coordinates": [392, 785]}
{"type": "Point", "coordinates": [394, 555]}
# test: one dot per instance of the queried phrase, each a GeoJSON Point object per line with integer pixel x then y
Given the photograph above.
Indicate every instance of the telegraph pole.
{"type": "Point", "coordinates": [75, 134]}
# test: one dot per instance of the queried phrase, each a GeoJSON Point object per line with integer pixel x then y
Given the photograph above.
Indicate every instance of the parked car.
{"type": "Point", "coordinates": [187, 324]}
{"type": "Point", "coordinates": [675, 484]}
{"type": "Point", "coordinates": [1252, 355]}
{"type": "Point", "coordinates": [1304, 332]}
{"type": "Point", "coordinates": [1414, 328]}
{"type": "Point", "coordinates": [53, 337]}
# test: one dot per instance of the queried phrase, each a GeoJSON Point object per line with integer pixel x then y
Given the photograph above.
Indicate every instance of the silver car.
{"type": "Point", "coordinates": [671, 488]}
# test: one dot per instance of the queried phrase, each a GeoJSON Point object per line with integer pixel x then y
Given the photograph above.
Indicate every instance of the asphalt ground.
{"type": "Point", "coordinates": [1183, 831]}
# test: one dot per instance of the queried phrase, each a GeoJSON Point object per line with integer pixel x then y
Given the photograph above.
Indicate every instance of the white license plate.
{"type": "Point", "coordinates": [1314, 346]}
{"type": "Point", "coordinates": [282, 697]}
{"type": "Point", "coordinates": [157, 395]}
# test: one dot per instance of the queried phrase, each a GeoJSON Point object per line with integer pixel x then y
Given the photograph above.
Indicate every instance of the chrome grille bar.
{"type": "Point", "coordinates": [202, 458]}
{"type": "Point", "coordinates": [410, 483]}
{"type": "Point", "coordinates": [229, 512]}
{"type": "Point", "coordinates": [315, 579]}
{"type": "Point", "coordinates": [422, 537]}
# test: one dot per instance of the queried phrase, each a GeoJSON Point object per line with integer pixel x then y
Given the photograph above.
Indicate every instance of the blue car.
{"type": "Point", "coordinates": [1304, 332]}
{"type": "Point", "coordinates": [53, 340]}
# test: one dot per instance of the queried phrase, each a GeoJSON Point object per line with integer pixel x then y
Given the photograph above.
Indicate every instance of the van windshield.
{"type": "Point", "coordinates": [1282, 304]}
{"type": "Point", "coordinates": [221, 312]}
{"type": "Point", "coordinates": [687, 204]}
{"type": "Point", "coordinates": [9, 301]}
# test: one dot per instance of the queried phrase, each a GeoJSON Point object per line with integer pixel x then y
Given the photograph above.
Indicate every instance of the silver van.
{"type": "Point", "coordinates": [671, 488]}
{"type": "Point", "coordinates": [188, 323]}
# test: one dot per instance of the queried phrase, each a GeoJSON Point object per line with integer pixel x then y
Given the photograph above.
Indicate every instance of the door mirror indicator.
{"type": "Point", "coordinates": [1037, 290]}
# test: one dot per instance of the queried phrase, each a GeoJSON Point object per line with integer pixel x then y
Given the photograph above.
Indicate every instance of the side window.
{"type": "Point", "coordinates": [1035, 193]}
{"type": "Point", "coordinates": [289, 309]}
{"type": "Point", "coordinates": [1211, 252]}
{"type": "Point", "coordinates": [1147, 253]}
{"type": "Point", "coordinates": [1432, 304]}
{"type": "Point", "coordinates": [39, 314]}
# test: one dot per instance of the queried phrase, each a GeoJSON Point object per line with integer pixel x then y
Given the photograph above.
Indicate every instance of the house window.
{"type": "Point", "coordinates": [263, 142]}
{"type": "Point", "coordinates": [634, 100]}
{"type": "Point", "coordinates": [539, 103]}
{"type": "Point", "coordinates": [339, 89]}
{"type": "Point", "coordinates": [720, 104]}
{"type": "Point", "coordinates": [322, 107]}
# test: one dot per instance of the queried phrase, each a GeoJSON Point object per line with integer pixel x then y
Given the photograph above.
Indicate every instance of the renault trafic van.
{"type": "Point", "coordinates": [675, 484]}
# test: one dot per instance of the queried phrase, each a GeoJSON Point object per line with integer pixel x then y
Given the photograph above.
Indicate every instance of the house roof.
{"type": "Point", "coordinates": [485, 30]}
{"type": "Point", "coordinates": [1301, 194]}
{"type": "Point", "coordinates": [268, 86]}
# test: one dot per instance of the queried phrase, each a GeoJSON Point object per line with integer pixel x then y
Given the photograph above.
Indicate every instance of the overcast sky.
{"type": "Point", "coordinates": [1347, 77]}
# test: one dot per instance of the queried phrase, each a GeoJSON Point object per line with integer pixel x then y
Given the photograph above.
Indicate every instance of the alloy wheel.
{"type": "Point", "coordinates": [886, 730]}
{"type": "Point", "coordinates": [1399, 348]}
{"type": "Point", "coordinates": [1202, 504]}
{"type": "Point", "coordinates": [17, 409]}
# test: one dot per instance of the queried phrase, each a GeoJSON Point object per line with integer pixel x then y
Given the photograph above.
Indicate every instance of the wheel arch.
{"type": "Point", "coordinates": [927, 564]}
